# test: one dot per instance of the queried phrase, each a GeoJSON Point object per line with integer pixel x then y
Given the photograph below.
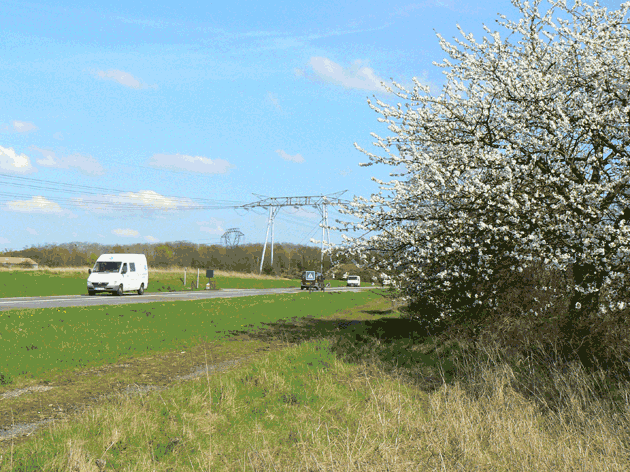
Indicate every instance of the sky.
{"type": "Point", "coordinates": [156, 121]}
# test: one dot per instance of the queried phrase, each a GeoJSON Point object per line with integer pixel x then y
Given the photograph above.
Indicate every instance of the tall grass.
{"type": "Point", "coordinates": [306, 409]}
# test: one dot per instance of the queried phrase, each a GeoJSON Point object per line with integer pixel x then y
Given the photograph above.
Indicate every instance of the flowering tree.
{"type": "Point", "coordinates": [522, 160]}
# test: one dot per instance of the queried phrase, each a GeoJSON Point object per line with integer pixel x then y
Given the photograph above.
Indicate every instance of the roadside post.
{"type": "Point", "coordinates": [197, 277]}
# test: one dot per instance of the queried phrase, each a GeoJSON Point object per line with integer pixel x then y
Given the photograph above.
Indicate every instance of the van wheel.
{"type": "Point", "coordinates": [119, 292]}
{"type": "Point", "coordinates": [141, 289]}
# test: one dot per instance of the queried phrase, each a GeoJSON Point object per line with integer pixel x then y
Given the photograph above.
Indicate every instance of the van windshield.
{"type": "Point", "coordinates": [106, 266]}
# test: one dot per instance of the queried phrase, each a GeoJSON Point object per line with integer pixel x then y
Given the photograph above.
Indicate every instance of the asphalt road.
{"type": "Point", "coordinates": [107, 299]}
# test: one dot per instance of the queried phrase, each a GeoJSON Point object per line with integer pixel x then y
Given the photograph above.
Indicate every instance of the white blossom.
{"type": "Point", "coordinates": [522, 159]}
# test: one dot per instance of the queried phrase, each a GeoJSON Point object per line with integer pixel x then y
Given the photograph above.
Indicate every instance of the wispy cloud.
{"type": "Point", "coordinates": [123, 78]}
{"type": "Point", "coordinates": [11, 161]}
{"type": "Point", "coordinates": [213, 226]}
{"type": "Point", "coordinates": [24, 127]}
{"type": "Point", "coordinates": [288, 157]}
{"type": "Point", "coordinates": [37, 204]}
{"type": "Point", "coordinates": [128, 233]}
{"type": "Point", "coordinates": [356, 76]}
{"type": "Point", "coordinates": [199, 164]}
{"type": "Point", "coordinates": [151, 239]}
{"type": "Point", "coordinates": [272, 98]}
{"type": "Point", "coordinates": [145, 201]}
{"type": "Point", "coordinates": [85, 164]}
{"type": "Point", "coordinates": [58, 136]}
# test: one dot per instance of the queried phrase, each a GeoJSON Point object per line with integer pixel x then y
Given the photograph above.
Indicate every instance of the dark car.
{"type": "Point", "coordinates": [312, 280]}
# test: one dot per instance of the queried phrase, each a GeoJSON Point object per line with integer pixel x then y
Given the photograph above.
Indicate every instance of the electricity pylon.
{"type": "Point", "coordinates": [232, 237]}
{"type": "Point", "coordinates": [275, 203]}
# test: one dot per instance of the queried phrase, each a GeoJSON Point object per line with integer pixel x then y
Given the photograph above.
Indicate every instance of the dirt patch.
{"type": "Point", "coordinates": [25, 409]}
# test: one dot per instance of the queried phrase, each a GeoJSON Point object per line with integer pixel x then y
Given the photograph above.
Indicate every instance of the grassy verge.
{"type": "Point", "coordinates": [33, 283]}
{"type": "Point", "coordinates": [305, 409]}
{"type": "Point", "coordinates": [361, 388]}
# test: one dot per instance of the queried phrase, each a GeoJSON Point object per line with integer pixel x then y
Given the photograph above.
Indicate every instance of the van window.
{"type": "Point", "coordinates": [106, 267]}
{"type": "Point", "coordinates": [124, 268]}
{"type": "Point", "coordinates": [132, 267]}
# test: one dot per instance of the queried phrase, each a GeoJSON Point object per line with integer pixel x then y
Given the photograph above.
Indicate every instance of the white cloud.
{"type": "Point", "coordinates": [14, 162]}
{"type": "Point", "coordinates": [123, 78]}
{"type": "Point", "coordinates": [345, 172]}
{"type": "Point", "coordinates": [357, 76]}
{"type": "Point", "coordinates": [145, 200]}
{"type": "Point", "coordinates": [273, 99]}
{"type": "Point", "coordinates": [288, 157]}
{"type": "Point", "coordinates": [37, 204]}
{"type": "Point", "coordinates": [85, 164]}
{"type": "Point", "coordinates": [199, 164]}
{"type": "Point", "coordinates": [58, 136]}
{"type": "Point", "coordinates": [151, 239]}
{"type": "Point", "coordinates": [4, 240]}
{"type": "Point", "coordinates": [23, 126]}
{"type": "Point", "coordinates": [129, 233]}
{"type": "Point", "coordinates": [32, 231]}
{"type": "Point", "coordinates": [213, 226]}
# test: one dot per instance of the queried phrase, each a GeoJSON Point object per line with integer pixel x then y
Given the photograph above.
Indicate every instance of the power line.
{"type": "Point", "coordinates": [56, 186]}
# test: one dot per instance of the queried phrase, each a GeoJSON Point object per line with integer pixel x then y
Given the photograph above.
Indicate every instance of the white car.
{"type": "Point", "coordinates": [354, 281]}
{"type": "Point", "coordinates": [118, 273]}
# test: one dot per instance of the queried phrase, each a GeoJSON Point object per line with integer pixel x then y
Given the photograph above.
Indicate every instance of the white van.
{"type": "Point", "coordinates": [118, 273]}
{"type": "Point", "coordinates": [354, 281]}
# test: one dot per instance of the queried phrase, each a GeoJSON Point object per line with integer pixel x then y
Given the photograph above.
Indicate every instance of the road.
{"type": "Point", "coordinates": [61, 301]}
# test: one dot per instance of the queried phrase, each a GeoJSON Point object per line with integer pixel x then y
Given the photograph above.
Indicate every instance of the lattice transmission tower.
{"type": "Point", "coordinates": [276, 203]}
{"type": "Point", "coordinates": [232, 237]}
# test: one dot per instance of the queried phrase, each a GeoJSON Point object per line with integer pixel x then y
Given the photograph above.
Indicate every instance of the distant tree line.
{"type": "Point", "coordinates": [288, 259]}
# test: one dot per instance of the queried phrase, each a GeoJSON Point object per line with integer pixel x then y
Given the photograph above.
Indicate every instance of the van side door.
{"type": "Point", "coordinates": [134, 277]}
{"type": "Point", "coordinates": [124, 274]}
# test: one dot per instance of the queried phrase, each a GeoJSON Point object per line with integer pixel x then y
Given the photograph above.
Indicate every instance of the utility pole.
{"type": "Point", "coordinates": [275, 203]}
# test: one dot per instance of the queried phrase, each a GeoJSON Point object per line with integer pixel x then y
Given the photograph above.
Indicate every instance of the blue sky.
{"type": "Point", "coordinates": [124, 122]}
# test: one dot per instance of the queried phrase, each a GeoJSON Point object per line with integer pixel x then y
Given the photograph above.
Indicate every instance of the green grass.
{"type": "Point", "coordinates": [305, 409]}
{"type": "Point", "coordinates": [21, 283]}
{"type": "Point", "coordinates": [34, 342]}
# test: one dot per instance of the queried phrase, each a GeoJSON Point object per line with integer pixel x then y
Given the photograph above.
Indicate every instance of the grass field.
{"type": "Point", "coordinates": [39, 342]}
{"type": "Point", "coordinates": [31, 283]}
{"type": "Point", "coordinates": [358, 390]}
{"type": "Point", "coordinates": [305, 409]}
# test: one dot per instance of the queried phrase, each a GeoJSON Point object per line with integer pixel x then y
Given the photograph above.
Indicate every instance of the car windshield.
{"type": "Point", "coordinates": [107, 266]}
{"type": "Point", "coordinates": [353, 277]}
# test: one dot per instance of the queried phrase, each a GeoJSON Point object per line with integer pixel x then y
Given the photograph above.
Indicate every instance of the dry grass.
{"type": "Point", "coordinates": [218, 273]}
{"type": "Point", "coordinates": [168, 270]}
{"type": "Point", "coordinates": [303, 409]}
